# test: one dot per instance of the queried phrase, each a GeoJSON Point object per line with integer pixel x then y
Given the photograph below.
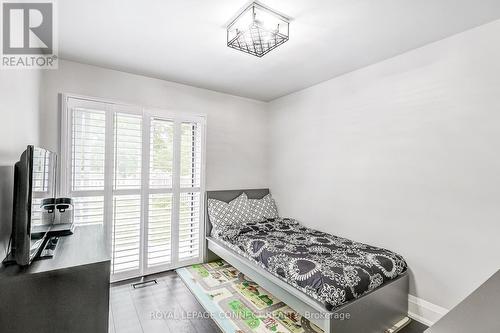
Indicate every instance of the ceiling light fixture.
{"type": "Point", "coordinates": [258, 30]}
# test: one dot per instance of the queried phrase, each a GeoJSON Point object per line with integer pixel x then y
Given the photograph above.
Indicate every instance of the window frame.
{"type": "Point", "coordinates": [148, 114]}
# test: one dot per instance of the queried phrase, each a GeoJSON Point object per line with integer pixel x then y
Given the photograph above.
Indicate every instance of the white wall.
{"type": "Point", "coordinates": [19, 108]}
{"type": "Point", "coordinates": [404, 154]}
{"type": "Point", "coordinates": [19, 117]}
{"type": "Point", "coordinates": [237, 138]}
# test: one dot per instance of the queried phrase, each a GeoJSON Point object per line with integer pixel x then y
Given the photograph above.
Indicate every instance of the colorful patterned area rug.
{"type": "Point", "coordinates": [238, 304]}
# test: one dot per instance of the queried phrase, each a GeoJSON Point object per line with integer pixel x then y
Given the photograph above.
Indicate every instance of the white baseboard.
{"type": "Point", "coordinates": [423, 311]}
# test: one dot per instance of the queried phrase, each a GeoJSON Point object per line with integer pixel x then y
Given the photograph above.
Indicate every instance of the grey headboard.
{"type": "Point", "coordinates": [227, 196]}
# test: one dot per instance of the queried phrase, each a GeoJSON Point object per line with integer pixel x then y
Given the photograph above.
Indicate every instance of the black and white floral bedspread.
{"type": "Point", "coordinates": [330, 269]}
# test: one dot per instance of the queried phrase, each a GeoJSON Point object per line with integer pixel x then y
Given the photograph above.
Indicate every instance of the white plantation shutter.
{"type": "Point", "coordinates": [190, 182]}
{"type": "Point", "coordinates": [88, 210]}
{"type": "Point", "coordinates": [161, 169]}
{"type": "Point", "coordinates": [139, 175]}
{"type": "Point", "coordinates": [85, 160]}
{"type": "Point", "coordinates": [128, 151]}
{"type": "Point", "coordinates": [88, 149]}
{"type": "Point", "coordinates": [190, 155]}
{"type": "Point", "coordinates": [126, 233]}
{"type": "Point", "coordinates": [159, 229]}
{"type": "Point", "coordinates": [161, 154]}
{"type": "Point", "coordinates": [189, 225]}
{"type": "Point", "coordinates": [126, 240]}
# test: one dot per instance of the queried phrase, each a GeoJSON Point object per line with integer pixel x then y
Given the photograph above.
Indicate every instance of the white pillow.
{"type": "Point", "coordinates": [261, 209]}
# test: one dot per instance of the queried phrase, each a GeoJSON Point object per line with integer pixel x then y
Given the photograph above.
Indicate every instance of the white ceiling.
{"type": "Point", "coordinates": [184, 40]}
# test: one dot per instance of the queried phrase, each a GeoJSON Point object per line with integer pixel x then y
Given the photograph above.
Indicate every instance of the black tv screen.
{"type": "Point", "coordinates": [34, 184]}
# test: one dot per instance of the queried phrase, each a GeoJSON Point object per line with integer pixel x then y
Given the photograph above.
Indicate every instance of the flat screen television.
{"type": "Point", "coordinates": [34, 184]}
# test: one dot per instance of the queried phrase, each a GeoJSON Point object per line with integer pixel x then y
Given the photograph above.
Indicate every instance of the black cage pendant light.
{"type": "Point", "coordinates": [258, 30]}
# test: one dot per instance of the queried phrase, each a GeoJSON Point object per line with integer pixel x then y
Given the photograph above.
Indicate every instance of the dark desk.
{"type": "Point", "coordinates": [478, 313]}
{"type": "Point", "coordinates": [68, 293]}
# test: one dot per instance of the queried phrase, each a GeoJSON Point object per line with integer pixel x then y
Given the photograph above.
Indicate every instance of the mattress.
{"type": "Point", "coordinates": [330, 269]}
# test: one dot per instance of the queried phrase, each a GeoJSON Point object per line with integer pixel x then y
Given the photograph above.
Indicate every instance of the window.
{"type": "Point", "coordinates": [140, 174]}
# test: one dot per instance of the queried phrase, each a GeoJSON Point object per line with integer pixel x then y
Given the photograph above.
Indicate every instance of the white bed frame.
{"type": "Point", "coordinates": [382, 310]}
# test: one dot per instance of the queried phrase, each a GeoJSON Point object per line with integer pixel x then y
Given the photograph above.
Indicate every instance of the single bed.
{"type": "Point", "coordinates": [379, 308]}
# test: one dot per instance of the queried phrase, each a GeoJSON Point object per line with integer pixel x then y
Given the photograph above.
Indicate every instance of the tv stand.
{"type": "Point", "coordinates": [68, 293]}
